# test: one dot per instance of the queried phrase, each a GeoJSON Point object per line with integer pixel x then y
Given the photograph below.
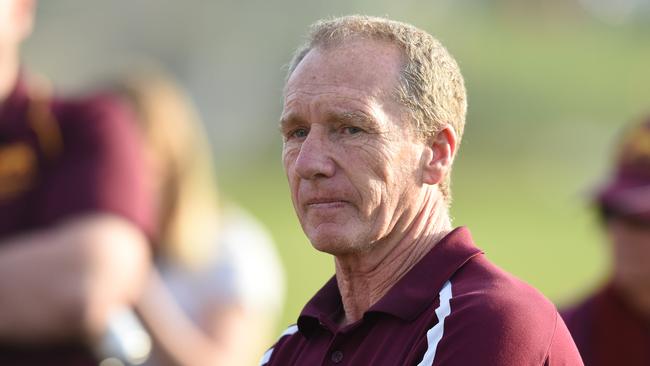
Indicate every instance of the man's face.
{"type": "Point", "coordinates": [350, 154]}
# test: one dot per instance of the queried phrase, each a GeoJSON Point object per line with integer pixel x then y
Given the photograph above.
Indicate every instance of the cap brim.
{"type": "Point", "coordinates": [626, 197]}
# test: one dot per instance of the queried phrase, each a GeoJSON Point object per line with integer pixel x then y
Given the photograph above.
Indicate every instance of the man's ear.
{"type": "Point", "coordinates": [439, 155]}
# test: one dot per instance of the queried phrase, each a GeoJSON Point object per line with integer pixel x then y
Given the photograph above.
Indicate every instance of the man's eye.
{"type": "Point", "coordinates": [351, 130]}
{"type": "Point", "coordinates": [299, 133]}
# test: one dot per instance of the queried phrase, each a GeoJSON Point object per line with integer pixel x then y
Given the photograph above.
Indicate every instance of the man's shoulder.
{"type": "Point", "coordinates": [504, 309]}
{"type": "Point", "coordinates": [502, 318]}
{"type": "Point", "coordinates": [94, 123]}
{"type": "Point", "coordinates": [71, 111]}
{"type": "Point", "coordinates": [485, 287]}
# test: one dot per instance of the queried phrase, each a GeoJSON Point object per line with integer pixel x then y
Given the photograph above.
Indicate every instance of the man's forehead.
{"type": "Point", "coordinates": [356, 64]}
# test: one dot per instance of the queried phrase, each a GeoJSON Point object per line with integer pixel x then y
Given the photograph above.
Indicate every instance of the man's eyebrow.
{"type": "Point", "coordinates": [288, 120]}
{"type": "Point", "coordinates": [351, 116]}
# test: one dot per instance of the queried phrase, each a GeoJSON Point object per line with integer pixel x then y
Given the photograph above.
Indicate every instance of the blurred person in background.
{"type": "Point", "coordinates": [612, 326]}
{"type": "Point", "coordinates": [373, 114]}
{"type": "Point", "coordinates": [217, 286]}
{"type": "Point", "coordinates": [73, 213]}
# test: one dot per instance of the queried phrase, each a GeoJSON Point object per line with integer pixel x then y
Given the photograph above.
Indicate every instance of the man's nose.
{"type": "Point", "coordinates": [315, 157]}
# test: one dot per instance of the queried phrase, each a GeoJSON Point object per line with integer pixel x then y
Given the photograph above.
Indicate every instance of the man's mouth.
{"type": "Point", "coordinates": [325, 203]}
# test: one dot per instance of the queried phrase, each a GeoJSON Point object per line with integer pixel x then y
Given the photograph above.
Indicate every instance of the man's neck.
{"type": "Point", "coordinates": [365, 278]}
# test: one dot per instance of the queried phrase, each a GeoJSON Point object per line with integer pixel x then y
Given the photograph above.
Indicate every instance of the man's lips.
{"type": "Point", "coordinates": [325, 202]}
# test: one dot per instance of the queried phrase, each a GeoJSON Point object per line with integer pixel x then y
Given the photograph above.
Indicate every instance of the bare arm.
{"type": "Point", "coordinates": [60, 283]}
{"type": "Point", "coordinates": [229, 334]}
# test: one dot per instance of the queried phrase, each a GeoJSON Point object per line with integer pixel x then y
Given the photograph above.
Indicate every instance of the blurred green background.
{"type": "Point", "coordinates": [550, 84]}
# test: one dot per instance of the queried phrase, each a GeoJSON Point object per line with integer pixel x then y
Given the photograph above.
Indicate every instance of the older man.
{"type": "Point", "coordinates": [373, 114]}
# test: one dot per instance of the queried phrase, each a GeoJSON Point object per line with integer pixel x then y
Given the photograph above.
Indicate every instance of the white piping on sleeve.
{"type": "Point", "coordinates": [434, 335]}
{"type": "Point", "coordinates": [267, 355]}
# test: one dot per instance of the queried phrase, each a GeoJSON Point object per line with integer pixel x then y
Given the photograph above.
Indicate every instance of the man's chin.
{"type": "Point", "coordinates": [330, 243]}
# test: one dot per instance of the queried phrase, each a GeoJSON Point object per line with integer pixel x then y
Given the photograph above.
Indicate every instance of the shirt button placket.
{"type": "Point", "coordinates": [336, 357]}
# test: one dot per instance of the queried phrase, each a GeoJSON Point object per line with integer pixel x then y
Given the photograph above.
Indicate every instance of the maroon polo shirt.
{"type": "Point", "coordinates": [607, 331]}
{"type": "Point", "coordinates": [454, 307]}
{"type": "Point", "coordinates": [59, 159]}
{"type": "Point", "coordinates": [85, 156]}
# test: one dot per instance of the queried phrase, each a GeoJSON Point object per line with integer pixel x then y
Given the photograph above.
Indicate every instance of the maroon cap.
{"type": "Point", "coordinates": [627, 192]}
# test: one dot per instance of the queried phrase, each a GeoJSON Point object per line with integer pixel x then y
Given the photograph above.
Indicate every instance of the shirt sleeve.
{"type": "Point", "coordinates": [101, 167]}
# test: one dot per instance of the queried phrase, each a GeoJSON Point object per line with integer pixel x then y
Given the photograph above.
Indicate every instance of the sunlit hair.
{"type": "Point", "coordinates": [176, 142]}
{"type": "Point", "coordinates": [430, 86]}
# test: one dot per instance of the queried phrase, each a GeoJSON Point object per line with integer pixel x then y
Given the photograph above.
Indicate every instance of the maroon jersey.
{"type": "Point", "coordinates": [59, 159]}
{"type": "Point", "coordinates": [454, 307]}
{"type": "Point", "coordinates": [608, 332]}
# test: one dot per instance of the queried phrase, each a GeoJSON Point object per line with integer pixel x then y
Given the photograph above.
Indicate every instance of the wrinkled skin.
{"type": "Point", "coordinates": [351, 157]}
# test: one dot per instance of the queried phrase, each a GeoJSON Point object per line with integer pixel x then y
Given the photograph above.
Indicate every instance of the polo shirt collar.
{"type": "Point", "coordinates": [410, 296]}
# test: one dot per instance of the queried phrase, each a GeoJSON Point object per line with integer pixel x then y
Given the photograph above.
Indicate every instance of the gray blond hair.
{"type": "Point", "coordinates": [431, 86]}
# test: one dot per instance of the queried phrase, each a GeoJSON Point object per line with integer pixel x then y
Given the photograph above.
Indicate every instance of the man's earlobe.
{"type": "Point", "coordinates": [439, 155]}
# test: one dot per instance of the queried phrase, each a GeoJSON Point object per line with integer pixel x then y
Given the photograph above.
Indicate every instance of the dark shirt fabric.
{"type": "Point", "coordinates": [607, 331]}
{"type": "Point", "coordinates": [454, 307]}
{"type": "Point", "coordinates": [63, 158]}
